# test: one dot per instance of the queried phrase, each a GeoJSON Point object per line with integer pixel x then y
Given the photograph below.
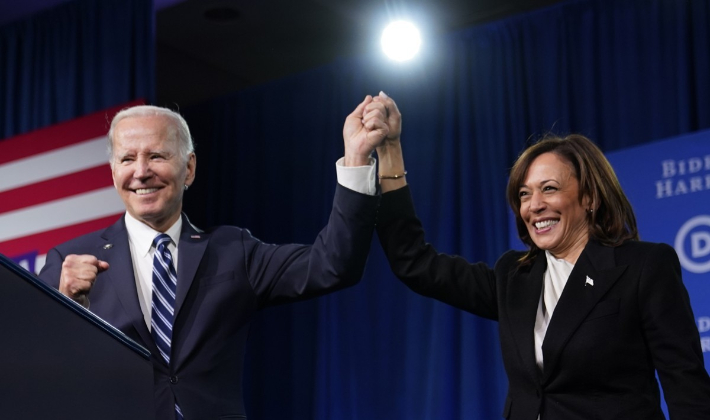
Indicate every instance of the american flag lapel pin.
{"type": "Point", "coordinates": [589, 282]}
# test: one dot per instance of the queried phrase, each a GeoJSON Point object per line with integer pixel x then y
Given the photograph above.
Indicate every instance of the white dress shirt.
{"type": "Point", "coordinates": [357, 178]}
{"type": "Point", "coordinates": [556, 275]}
{"type": "Point", "coordinates": [140, 241]}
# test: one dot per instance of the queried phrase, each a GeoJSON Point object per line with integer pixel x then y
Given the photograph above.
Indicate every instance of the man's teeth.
{"type": "Point", "coordinates": [546, 223]}
{"type": "Point", "coordinates": [142, 191]}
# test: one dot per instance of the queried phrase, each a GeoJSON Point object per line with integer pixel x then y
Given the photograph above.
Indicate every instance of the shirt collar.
{"type": "Point", "coordinates": [141, 235]}
{"type": "Point", "coordinates": [558, 263]}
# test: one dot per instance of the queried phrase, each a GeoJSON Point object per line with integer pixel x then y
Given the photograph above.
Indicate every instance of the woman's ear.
{"type": "Point", "coordinates": [588, 204]}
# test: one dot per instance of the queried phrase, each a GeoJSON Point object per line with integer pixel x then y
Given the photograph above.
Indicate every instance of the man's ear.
{"type": "Point", "coordinates": [191, 169]}
{"type": "Point", "coordinates": [113, 176]}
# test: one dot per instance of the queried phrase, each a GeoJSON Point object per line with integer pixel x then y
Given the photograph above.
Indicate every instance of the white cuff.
{"type": "Point", "coordinates": [357, 178]}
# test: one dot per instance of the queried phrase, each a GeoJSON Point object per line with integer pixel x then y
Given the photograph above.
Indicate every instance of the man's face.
{"type": "Point", "coordinates": [148, 171]}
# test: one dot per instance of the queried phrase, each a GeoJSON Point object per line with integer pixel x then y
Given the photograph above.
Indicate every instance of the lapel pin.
{"type": "Point", "coordinates": [108, 246]}
{"type": "Point", "coordinates": [589, 282]}
{"type": "Point", "coordinates": [195, 236]}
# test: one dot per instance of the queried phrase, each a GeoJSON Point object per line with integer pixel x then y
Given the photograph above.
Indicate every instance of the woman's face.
{"type": "Point", "coordinates": [551, 209]}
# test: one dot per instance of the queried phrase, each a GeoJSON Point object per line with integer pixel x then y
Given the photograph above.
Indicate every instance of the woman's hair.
{"type": "Point", "coordinates": [611, 219]}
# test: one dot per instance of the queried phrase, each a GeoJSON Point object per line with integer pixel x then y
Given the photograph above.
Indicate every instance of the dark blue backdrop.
{"type": "Point", "coordinates": [624, 72]}
{"type": "Point", "coordinates": [74, 59]}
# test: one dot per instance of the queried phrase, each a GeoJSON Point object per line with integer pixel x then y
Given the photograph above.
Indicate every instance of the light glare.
{"type": "Point", "coordinates": [401, 40]}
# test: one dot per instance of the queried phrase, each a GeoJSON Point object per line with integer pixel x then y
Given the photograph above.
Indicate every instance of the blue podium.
{"type": "Point", "coordinates": [59, 361]}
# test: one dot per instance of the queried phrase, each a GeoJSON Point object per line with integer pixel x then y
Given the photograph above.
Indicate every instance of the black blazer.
{"type": "Point", "coordinates": [224, 276]}
{"type": "Point", "coordinates": [605, 341]}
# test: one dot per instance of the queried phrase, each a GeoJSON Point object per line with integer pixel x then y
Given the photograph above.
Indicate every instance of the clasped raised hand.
{"type": "Point", "coordinates": [374, 121]}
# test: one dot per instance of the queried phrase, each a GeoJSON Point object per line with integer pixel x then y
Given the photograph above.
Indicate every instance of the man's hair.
{"type": "Point", "coordinates": [177, 123]}
{"type": "Point", "coordinates": [611, 221]}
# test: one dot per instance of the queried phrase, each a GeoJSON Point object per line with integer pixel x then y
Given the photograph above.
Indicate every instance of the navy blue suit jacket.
{"type": "Point", "coordinates": [224, 276]}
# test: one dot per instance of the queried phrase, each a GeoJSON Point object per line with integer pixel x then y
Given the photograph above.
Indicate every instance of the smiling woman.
{"type": "Point", "coordinates": [572, 170]}
{"type": "Point", "coordinates": [588, 315]}
{"type": "Point", "coordinates": [553, 208]}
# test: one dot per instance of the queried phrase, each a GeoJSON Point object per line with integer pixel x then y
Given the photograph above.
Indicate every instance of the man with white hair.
{"type": "Point", "coordinates": [186, 294]}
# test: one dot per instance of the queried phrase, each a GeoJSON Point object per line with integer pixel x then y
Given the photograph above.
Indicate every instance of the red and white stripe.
{"type": "Point", "coordinates": [55, 184]}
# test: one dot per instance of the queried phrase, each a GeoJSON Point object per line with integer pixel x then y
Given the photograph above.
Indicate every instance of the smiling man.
{"type": "Point", "coordinates": [149, 173]}
{"type": "Point", "coordinates": [186, 294]}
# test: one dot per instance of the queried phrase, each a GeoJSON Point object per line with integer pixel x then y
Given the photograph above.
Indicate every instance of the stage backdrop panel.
{"type": "Point", "coordinates": [55, 184]}
{"type": "Point", "coordinates": [668, 184]}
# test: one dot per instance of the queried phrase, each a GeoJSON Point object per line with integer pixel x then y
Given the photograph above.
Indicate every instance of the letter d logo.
{"type": "Point", "coordinates": [693, 253]}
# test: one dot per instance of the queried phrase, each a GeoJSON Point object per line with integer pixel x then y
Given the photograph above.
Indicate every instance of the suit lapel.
{"type": "Point", "coordinates": [578, 298]}
{"type": "Point", "coordinates": [523, 299]}
{"type": "Point", "coordinates": [120, 276]}
{"type": "Point", "coordinates": [193, 243]}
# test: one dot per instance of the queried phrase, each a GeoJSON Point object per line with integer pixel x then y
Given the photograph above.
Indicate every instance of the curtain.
{"type": "Point", "coordinates": [623, 72]}
{"type": "Point", "coordinates": [74, 59]}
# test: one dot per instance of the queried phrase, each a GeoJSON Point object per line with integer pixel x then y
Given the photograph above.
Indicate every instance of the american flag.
{"type": "Point", "coordinates": [55, 184]}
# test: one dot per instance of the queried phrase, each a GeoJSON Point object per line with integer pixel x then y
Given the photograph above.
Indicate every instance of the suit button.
{"type": "Point", "coordinates": [174, 379]}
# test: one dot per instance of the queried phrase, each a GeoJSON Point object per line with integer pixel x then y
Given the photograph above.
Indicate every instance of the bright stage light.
{"type": "Point", "coordinates": [400, 40]}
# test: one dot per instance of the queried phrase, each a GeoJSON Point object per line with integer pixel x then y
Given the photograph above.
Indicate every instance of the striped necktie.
{"type": "Point", "coordinates": [163, 304]}
{"type": "Point", "coordinates": [164, 286]}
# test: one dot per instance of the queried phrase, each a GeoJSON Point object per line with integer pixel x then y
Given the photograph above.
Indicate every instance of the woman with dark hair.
{"type": "Point", "coordinates": [588, 314]}
{"type": "Point", "coordinates": [610, 217]}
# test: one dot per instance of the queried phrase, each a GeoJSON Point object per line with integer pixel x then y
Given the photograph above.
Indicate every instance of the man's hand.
{"type": "Point", "coordinates": [365, 128]}
{"type": "Point", "coordinates": [78, 276]}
